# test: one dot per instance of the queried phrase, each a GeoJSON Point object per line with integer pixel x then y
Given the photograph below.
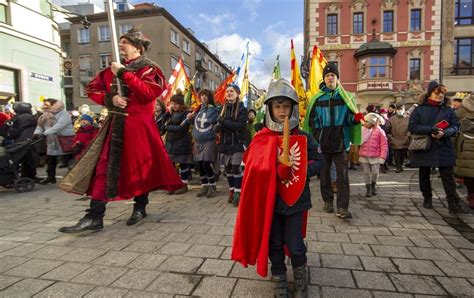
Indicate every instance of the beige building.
{"type": "Point", "coordinates": [458, 46]}
{"type": "Point", "coordinates": [90, 49]}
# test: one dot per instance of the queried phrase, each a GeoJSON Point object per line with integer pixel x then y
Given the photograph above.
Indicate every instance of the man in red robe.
{"type": "Point", "coordinates": [266, 221]}
{"type": "Point", "coordinates": [132, 160]}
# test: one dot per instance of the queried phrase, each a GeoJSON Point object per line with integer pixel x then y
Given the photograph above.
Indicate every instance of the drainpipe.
{"type": "Point", "coordinates": [441, 46]}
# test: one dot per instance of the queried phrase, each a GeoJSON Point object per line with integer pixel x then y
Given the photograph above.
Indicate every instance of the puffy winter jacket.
{"type": "Point", "coordinates": [465, 139]}
{"type": "Point", "coordinates": [374, 143]}
{"type": "Point", "coordinates": [233, 129]}
{"type": "Point", "coordinates": [178, 138]}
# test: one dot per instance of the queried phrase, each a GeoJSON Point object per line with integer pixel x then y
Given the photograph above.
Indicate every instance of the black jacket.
{"type": "Point", "coordinates": [178, 138]}
{"type": "Point", "coordinates": [233, 130]}
{"type": "Point", "coordinates": [20, 127]}
{"type": "Point", "coordinates": [315, 163]}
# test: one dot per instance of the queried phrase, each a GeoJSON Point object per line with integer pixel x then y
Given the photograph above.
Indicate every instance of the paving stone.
{"type": "Point", "coordinates": [144, 246]}
{"type": "Point", "coordinates": [181, 264]}
{"type": "Point", "coordinates": [373, 280]}
{"type": "Point", "coordinates": [341, 292]}
{"type": "Point", "coordinates": [456, 286]}
{"type": "Point", "coordinates": [340, 261]}
{"type": "Point", "coordinates": [8, 262]}
{"type": "Point", "coordinates": [331, 277]}
{"type": "Point", "coordinates": [26, 288]}
{"type": "Point", "coordinates": [405, 232]}
{"type": "Point", "coordinates": [357, 249]}
{"type": "Point", "coordinates": [147, 261]}
{"type": "Point", "coordinates": [23, 249]}
{"type": "Point", "coordinates": [143, 294]}
{"type": "Point", "coordinates": [66, 271]}
{"type": "Point", "coordinates": [33, 268]}
{"type": "Point", "coordinates": [249, 273]}
{"type": "Point", "coordinates": [456, 269]}
{"type": "Point", "coordinates": [205, 239]}
{"type": "Point", "coordinates": [431, 254]}
{"type": "Point", "coordinates": [116, 258]}
{"type": "Point", "coordinates": [216, 267]}
{"type": "Point", "coordinates": [332, 237]}
{"type": "Point", "coordinates": [252, 288]}
{"type": "Point", "coordinates": [99, 275]}
{"type": "Point", "coordinates": [417, 284]}
{"type": "Point", "coordinates": [313, 259]}
{"type": "Point", "coordinates": [227, 241]}
{"type": "Point", "coordinates": [101, 292]}
{"type": "Point", "coordinates": [460, 242]}
{"type": "Point", "coordinates": [136, 279]}
{"type": "Point", "coordinates": [391, 251]}
{"type": "Point", "coordinates": [50, 252]}
{"type": "Point", "coordinates": [219, 230]}
{"type": "Point", "coordinates": [7, 245]}
{"type": "Point", "coordinates": [417, 267]}
{"type": "Point", "coordinates": [380, 294]}
{"type": "Point", "coordinates": [63, 289]}
{"type": "Point", "coordinates": [174, 248]}
{"type": "Point", "coordinates": [6, 281]}
{"type": "Point", "coordinates": [375, 231]}
{"type": "Point", "coordinates": [363, 239]}
{"type": "Point", "coordinates": [456, 255]}
{"type": "Point", "coordinates": [324, 247]}
{"type": "Point", "coordinates": [395, 240]}
{"type": "Point", "coordinates": [198, 229]}
{"type": "Point", "coordinates": [469, 253]}
{"type": "Point", "coordinates": [167, 283]}
{"type": "Point", "coordinates": [205, 251]}
{"type": "Point", "coordinates": [226, 253]}
{"type": "Point", "coordinates": [82, 255]}
{"type": "Point", "coordinates": [421, 241]}
{"type": "Point", "coordinates": [378, 264]}
{"type": "Point", "coordinates": [213, 286]}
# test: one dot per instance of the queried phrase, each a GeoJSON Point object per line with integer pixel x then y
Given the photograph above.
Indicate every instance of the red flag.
{"type": "Point", "coordinates": [219, 94]}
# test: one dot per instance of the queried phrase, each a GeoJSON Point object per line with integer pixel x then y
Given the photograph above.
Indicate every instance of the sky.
{"type": "Point", "coordinates": [227, 25]}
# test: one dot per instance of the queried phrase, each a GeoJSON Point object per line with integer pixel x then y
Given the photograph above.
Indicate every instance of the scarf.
{"type": "Point", "coordinates": [47, 118]}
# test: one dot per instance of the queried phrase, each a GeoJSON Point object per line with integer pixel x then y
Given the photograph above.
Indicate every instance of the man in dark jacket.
{"type": "Point", "coordinates": [20, 128]}
{"type": "Point", "coordinates": [435, 119]}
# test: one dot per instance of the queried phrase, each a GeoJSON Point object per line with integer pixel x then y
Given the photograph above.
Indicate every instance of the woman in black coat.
{"type": "Point", "coordinates": [427, 119]}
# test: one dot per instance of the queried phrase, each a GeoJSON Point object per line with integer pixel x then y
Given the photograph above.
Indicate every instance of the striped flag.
{"type": "Point", "coordinates": [219, 94]}
{"type": "Point", "coordinates": [318, 62]}
{"type": "Point", "coordinates": [179, 82]}
{"type": "Point", "coordinates": [276, 73]}
{"type": "Point", "coordinates": [297, 83]}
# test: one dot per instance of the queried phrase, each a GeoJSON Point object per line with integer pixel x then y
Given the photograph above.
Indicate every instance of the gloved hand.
{"type": "Point", "coordinates": [358, 117]}
{"type": "Point", "coordinates": [283, 172]}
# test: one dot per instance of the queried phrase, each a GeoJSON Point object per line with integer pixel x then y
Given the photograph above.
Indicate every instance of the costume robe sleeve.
{"type": "Point", "coordinates": [96, 89]}
{"type": "Point", "coordinates": [148, 86]}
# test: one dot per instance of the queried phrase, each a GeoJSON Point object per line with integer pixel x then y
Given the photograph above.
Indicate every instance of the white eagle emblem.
{"type": "Point", "coordinates": [295, 160]}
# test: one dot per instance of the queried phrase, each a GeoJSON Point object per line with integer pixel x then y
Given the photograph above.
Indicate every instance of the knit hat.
{"type": "Point", "coordinates": [370, 108]}
{"type": "Point", "coordinates": [432, 86]}
{"type": "Point", "coordinates": [235, 87]}
{"type": "Point", "coordinates": [373, 118]}
{"type": "Point", "coordinates": [88, 118]}
{"type": "Point", "coordinates": [137, 39]}
{"type": "Point", "coordinates": [330, 67]}
{"type": "Point", "coordinates": [382, 111]}
{"type": "Point", "coordinates": [177, 98]}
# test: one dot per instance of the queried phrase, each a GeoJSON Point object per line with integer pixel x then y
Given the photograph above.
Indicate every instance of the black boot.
{"type": "Point", "coordinates": [203, 192]}
{"type": "Point", "coordinates": [280, 286]}
{"type": "Point", "coordinates": [211, 192]}
{"type": "Point", "coordinates": [456, 209]}
{"type": "Point", "coordinates": [427, 203]}
{"type": "Point", "coordinates": [84, 224]}
{"type": "Point", "coordinates": [301, 281]}
{"type": "Point", "coordinates": [374, 191]}
{"type": "Point", "coordinates": [137, 216]}
{"type": "Point", "coordinates": [48, 180]}
{"type": "Point", "coordinates": [368, 194]}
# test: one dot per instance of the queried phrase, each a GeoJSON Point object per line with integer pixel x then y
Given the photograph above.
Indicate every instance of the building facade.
{"type": "Point", "coordinates": [458, 46]}
{"type": "Point", "coordinates": [386, 50]}
{"type": "Point", "coordinates": [91, 51]}
{"type": "Point", "coordinates": [30, 55]}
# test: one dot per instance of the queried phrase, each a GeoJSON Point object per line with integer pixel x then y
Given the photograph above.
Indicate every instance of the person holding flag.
{"type": "Point", "coordinates": [275, 193]}
{"type": "Point", "coordinates": [127, 159]}
{"type": "Point", "coordinates": [333, 119]}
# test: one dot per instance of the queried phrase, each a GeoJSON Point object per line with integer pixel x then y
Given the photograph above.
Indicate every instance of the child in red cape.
{"type": "Point", "coordinates": [84, 136]}
{"type": "Point", "coordinates": [266, 224]}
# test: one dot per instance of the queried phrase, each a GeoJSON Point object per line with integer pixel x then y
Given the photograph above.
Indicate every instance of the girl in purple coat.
{"type": "Point", "coordinates": [373, 151]}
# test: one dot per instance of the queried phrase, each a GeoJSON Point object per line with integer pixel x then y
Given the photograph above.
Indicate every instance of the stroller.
{"type": "Point", "coordinates": [10, 166]}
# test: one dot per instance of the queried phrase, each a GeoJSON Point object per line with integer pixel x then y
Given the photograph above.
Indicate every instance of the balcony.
{"type": "Point", "coordinates": [375, 85]}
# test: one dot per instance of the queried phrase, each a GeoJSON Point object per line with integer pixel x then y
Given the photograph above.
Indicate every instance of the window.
{"type": "Point", "coordinates": [415, 20]}
{"type": "Point", "coordinates": [104, 60]}
{"type": "Point", "coordinates": [209, 65]}
{"type": "Point", "coordinates": [463, 12]}
{"type": "Point", "coordinates": [186, 46]}
{"type": "Point", "coordinates": [388, 21]}
{"type": "Point", "coordinates": [84, 62]}
{"type": "Point", "coordinates": [358, 22]}
{"type": "Point", "coordinates": [216, 69]}
{"type": "Point", "coordinates": [83, 35]}
{"type": "Point", "coordinates": [198, 55]}
{"type": "Point", "coordinates": [124, 28]}
{"type": "Point", "coordinates": [104, 33]}
{"type": "Point", "coordinates": [464, 56]}
{"type": "Point", "coordinates": [82, 90]}
{"type": "Point", "coordinates": [187, 70]}
{"type": "Point", "coordinates": [415, 69]}
{"type": "Point", "coordinates": [45, 8]}
{"type": "Point", "coordinates": [3, 13]}
{"type": "Point", "coordinates": [174, 61]}
{"type": "Point", "coordinates": [376, 67]}
{"type": "Point", "coordinates": [174, 37]}
{"type": "Point", "coordinates": [9, 81]}
{"type": "Point", "coordinates": [121, 7]}
{"type": "Point", "coordinates": [332, 24]}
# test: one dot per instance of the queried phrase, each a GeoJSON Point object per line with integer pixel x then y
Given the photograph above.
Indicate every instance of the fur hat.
{"type": "Point", "coordinates": [137, 39]}
{"type": "Point", "coordinates": [330, 67]}
{"type": "Point", "coordinates": [177, 98]}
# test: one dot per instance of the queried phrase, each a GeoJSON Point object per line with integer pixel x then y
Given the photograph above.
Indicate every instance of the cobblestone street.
{"type": "Point", "coordinates": [391, 248]}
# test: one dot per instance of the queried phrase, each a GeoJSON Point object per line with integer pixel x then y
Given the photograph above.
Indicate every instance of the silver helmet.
{"type": "Point", "coordinates": [281, 89]}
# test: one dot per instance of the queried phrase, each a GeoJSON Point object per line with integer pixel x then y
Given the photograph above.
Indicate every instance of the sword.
{"type": "Point", "coordinates": [284, 158]}
{"type": "Point", "coordinates": [113, 38]}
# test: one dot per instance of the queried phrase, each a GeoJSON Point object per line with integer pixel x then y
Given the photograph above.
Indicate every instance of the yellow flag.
{"type": "Point", "coordinates": [318, 62]}
{"type": "Point", "coordinates": [297, 83]}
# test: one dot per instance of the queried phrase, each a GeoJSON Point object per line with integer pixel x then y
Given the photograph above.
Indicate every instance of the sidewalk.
{"type": "Point", "coordinates": [391, 248]}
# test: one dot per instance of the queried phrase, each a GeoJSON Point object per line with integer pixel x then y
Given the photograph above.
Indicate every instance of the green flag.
{"type": "Point", "coordinates": [276, 74]}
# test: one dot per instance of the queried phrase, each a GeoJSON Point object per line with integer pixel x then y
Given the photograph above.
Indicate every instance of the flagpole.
{"type": "Point", "coordinates": [113, 38]}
